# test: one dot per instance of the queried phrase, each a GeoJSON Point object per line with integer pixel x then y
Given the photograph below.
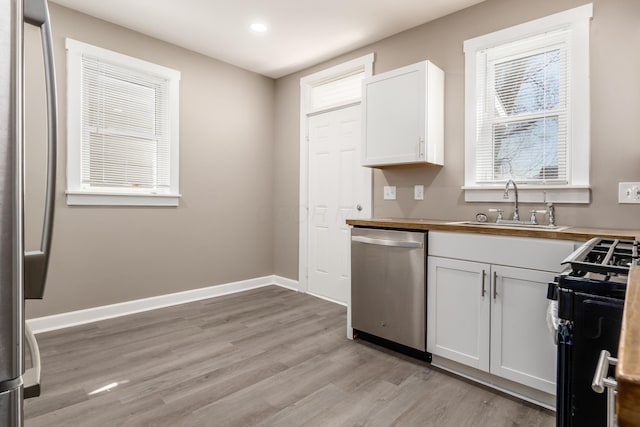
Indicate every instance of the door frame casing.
{"type": "Point", "coordinates": [306, 84]}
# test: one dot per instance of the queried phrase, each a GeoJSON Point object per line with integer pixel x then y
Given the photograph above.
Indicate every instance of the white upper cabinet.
{"type": "Point", "coordinates": [403, 116]}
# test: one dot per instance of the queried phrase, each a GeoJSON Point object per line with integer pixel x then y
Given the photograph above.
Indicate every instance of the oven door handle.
{"type": "Point", "coordinates": [600, 378]}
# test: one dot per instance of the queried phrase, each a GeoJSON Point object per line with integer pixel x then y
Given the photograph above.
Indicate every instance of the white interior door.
{"type": "Point", "coordinates": [339, 188]}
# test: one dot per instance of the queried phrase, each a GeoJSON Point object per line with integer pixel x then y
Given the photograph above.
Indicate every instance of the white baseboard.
{"type": "Point", "coordinates": [327, 299]}
{"type": "Point", "coordinates": [286, 283]}
{"type": "Point", "coordinates": [89, 315]}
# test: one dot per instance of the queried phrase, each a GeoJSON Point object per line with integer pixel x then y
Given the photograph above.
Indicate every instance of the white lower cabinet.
{"type": "Point", "coordinates": [458, 317]}
{"type": "Point", "coordinates": [522, 347]}
{"type": "Point", "coordinates": [492, 317]}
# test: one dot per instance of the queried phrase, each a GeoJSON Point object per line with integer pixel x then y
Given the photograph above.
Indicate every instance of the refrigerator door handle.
{"type": "Point", "coordinates": [31, 376]}
{"type": "Point", "coordinates": [36, 263]}
{"type": "Point", "coordinates": [9, 385]}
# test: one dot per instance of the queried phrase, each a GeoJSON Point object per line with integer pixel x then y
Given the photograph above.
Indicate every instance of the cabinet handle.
{"type": "Point", "coordinates": [495, 285]}
{"type": "Point", "coordinates": [483, 290]}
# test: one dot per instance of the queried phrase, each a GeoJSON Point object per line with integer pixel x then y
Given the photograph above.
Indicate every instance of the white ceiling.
{"type": "Point", "coordinates": [301, 32]}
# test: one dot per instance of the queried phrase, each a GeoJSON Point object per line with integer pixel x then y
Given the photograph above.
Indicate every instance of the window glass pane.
{"type": "Point", "coordinates": [526, 150]}
{"type": "Point", "coordinates": [125, 127]}
{"type": "Point", "coordinates": [528, 84]}
{"type": "Point", "coordinates": [127, 106]}
{"type": "Point", "coordinates": [522, 128]}
{"type": "Point", "coordinates": [338, 91]}
{"type": "Point", "coordinates": [119, 161]}
{"type": "Point", "coordinates": [116, 101]}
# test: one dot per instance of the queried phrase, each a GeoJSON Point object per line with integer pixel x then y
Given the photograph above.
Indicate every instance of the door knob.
{"type": "Point", "coordinates": [359, 207]}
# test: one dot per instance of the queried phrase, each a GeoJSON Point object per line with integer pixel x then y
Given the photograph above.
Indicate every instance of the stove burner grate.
{"type": "Point", "coordinates": [609, 257]}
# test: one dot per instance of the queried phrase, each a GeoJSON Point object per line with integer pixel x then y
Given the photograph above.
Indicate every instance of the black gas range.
{"type": "Point", "coordinates": [590, 299]}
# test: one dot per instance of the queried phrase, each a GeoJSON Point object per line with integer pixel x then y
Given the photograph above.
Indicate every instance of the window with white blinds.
{"type": "Point", "coordinates": [123, 129]}
{"type": "Point", "coordinates": [523, 109]}
{"type": "Point", "coordinates": [527, 109]}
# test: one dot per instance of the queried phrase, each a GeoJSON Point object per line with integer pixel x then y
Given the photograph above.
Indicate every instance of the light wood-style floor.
{"type": "Point", "coordinates": [266, 357]}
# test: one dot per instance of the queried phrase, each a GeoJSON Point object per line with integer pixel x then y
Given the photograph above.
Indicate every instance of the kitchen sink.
{"type": "Point", "coordinates": [519, 225]}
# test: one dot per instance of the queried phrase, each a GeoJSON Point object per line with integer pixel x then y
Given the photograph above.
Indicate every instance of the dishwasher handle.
{"type": "Point", "coordinates": [385, 242]}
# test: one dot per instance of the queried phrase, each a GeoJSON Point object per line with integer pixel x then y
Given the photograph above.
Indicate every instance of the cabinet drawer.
{"type": "Point", "coordinates": [526, 252]}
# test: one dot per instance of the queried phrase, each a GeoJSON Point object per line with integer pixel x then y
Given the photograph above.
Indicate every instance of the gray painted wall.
{"type": "Point", "coordinates": [239, 166]}
{"type": "Point", "coordinates": [222, 230]}
{"type": "Point", "coordinates": [615, 120]}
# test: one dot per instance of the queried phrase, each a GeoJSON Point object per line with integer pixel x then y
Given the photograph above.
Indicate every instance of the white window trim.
{"type": "Point", "coordinates": [76, 195]}
{"type": "Point", "coordinates": [578, 189]}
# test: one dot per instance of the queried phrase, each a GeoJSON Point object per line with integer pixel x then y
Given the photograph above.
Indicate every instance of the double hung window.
{"type": "Point", "coordinates": [522, 111]}
{"type": "Point", "coordinates": [527, 115]}
{"type": "Point", "coordinates": [122, 129]}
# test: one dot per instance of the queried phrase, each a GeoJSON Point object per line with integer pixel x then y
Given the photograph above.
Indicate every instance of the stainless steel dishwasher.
{"type": "Point", "coordinates": [388, 285]}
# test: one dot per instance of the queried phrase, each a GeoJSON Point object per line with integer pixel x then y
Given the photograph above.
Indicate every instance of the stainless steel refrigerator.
{"type": "Point", "coordinates": [22, 275]}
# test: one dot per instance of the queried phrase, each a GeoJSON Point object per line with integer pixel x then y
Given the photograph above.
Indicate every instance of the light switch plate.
{"type": "Point", "coordinates": [629, 192]}
{"type": "Point", "coordinates": [389, 192]}
{"type": "Point", "coordinates": [418, 192]}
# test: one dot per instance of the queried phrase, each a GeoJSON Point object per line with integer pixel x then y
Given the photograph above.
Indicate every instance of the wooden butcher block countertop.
{"type": "Point", "coordinates": [628, 369]}
{"type": "Point", "coordinates": [568, 233]}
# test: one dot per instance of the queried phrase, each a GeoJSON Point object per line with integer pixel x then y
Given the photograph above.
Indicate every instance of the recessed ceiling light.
{"type": "Point", "coordinates": [258, 27]}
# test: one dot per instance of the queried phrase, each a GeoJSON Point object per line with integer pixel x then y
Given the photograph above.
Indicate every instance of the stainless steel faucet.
{"type": "Point", "coordinates": [516, 216]}
{"type": "Point", "coordinates": [552, 214]}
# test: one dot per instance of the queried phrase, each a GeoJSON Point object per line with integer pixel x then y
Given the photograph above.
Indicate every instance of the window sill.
{"type": "Point", "coordinates": [577, 194]}
{"type": "Point", "coordinates": [85, 198]}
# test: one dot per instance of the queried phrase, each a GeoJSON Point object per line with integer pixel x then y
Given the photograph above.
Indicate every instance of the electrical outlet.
{"type": "Point", "coordinates": [629, 192]}
{"type": "Point", "coordinates": [389, 192]}
{"type": "Point", "coordinates": [418, 192]}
